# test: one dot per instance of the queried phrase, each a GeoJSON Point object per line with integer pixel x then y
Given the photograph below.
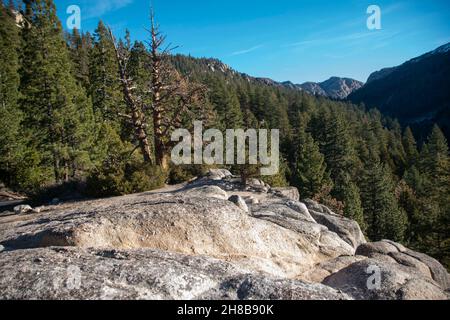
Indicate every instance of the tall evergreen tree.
{"type": "Point", "coordinates": [105, 88]}
{"type": "Point", "coordinates": [352, 202]}
{"type": "Point", "coordinates": [337, 147]}
{"type": "Point", "coordinates": [310, 168]}
{"type": "Point", "coordinates": [434, 223]}
{"type": "Point", "coordinates": [226, 104]}
{"type": "Point", "coordinates": [410, 147]}
{"type": "Point", "coordinates": [57, 111]}
{"type": "Point", "coordinates": [381, 211]}
{"type": "Point", "coordinates": [80, 47]}
{"type": "Point", "coordinates": [11, 138]}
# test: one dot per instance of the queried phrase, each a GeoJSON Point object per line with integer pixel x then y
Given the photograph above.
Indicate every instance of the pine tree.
{"type": "Point", "coordinates": [57, 112]}
{"type": "Point", "coordinates": [176, 101]}
{"type": "Point", "coordinates": [10, 132]}
{"type": "Point", "coordinates": [352, 203]}
{"type": "Point", "coordinates": [226, 104]}
{"type": "Point", "coordinates": [310, 168]}
{"type": "Point", "coordinates": [80, 47]}
{"type": "Point", "coordinates": [381, 212]}
{"type": "Point", "coordinates": [337, 147]}
{"type": "Point", "coordinates": [410, 147]}
{"type": "Point", "coordinates": [105, 90]}
{"type": "Point", "coordinates": [434, 227]}
{"type": "Point", "coordinates": [435, 156]}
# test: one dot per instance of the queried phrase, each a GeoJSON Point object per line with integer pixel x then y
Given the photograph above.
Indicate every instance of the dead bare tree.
{"type": "Point", "coordinates": [174, 100]}
{"type": "Point", "coordinates": [134, 103]}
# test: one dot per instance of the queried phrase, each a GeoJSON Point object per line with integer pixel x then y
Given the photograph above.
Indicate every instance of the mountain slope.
{"type": "Point", "coordinates": [334, 88]}
{"type": "Point", "coordinates": [338, 88]}
{"type": "Point", "coordinates": [416, 92]}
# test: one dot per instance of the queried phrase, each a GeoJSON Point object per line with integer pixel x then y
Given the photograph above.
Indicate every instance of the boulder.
{"type": "Point", "coordinates": [255, 182]}
{"type": "Point", "coordinates": [380, 280]}
{"type": "Point", "coordinates": [326, 268]}
{"type": "Point", "coordinates": [347, 229]}
{"type": "Point", "coordinates": [421, 263]}
{"type": "Point", "coordinates": [193, 241]}
{"type": "Point", "coordinates": [239, 202]}
{"type": "Point", "coordinates": [193, 222]}
{"type": "Point", "coordinates": [291, 215]}
{"type": "Point", "coordinates": [258, 287]}
{"type": "Point", "coordinates": [23, 209]}
{"type": "Point", "coordinates": [249, 200]}
{"type": "Point", "coordinates": [288, 192]}
{"type": "Point", "coordinates": [218, 174]}
{"type": "Point", "coordinates": [208, 192]}
{"type": "Point", "coordinates": [73, 273]}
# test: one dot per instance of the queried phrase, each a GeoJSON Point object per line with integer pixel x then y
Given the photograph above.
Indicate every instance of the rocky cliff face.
{"type": "Point", "coordinates": [205, 240]}
{"type": "Point", "coordinates": [335, 87]}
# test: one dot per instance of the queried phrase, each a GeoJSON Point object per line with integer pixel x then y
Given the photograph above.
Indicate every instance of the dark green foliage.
{"type": "Point", "coordinates": [80, 46]}
{"type": "Point", "coordinates": [410, 147]}
{"type": "Point", "coordinates": [129, 177]}
{"type": "Point", "coordinates": [352, 202]}
{"type": "Point", "coordinates": [11, 141]}
{"type": "Point", "coordinates": [183, 173]}
{"type": "Point", "coordinates": [310, 174]}
{"type": "Point", "coordinates": [431, 202]}
{"type": "Point", "coordinates": [381, 212]}
{"type": "Point", "coordinates": [56, 110]}
{"type": "Point", "coordinates": [103, 77]}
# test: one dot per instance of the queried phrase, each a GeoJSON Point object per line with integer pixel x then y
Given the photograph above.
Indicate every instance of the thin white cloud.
{"type": "Point", "coordinates": [240, 52]}
{"type": "Point", "coordinates": [393, 8]}
{"type": "Point", "coordinates": [98, 8]}
{"type": "Point", "coordinates": [348, 40]}
{"type": "Point", "coordinates": [324, 41]}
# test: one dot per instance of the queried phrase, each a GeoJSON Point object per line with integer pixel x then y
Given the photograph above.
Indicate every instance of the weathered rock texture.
{"type": "Point", "coordinates": [191, 242]}
{"type": "Point", "coordinates": [76, 273]}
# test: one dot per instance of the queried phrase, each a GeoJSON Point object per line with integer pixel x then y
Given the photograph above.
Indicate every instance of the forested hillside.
{"type": "Point", "coordinates": [416, 92]}
{"type": "Point", "coordinates": [85, 110]}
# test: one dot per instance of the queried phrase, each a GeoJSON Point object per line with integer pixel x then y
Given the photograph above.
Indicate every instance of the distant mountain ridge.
{"type": "Point", "coordinates": [417, 92]}
{"type": "Point", "coordinates": [334, 88]}
{"type": "Point", "coordinates": [337, 88]}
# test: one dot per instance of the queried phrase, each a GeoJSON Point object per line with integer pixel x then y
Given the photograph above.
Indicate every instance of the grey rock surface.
{"type": "Point", "coordinates": [90, 274]}
{"type": "Point", "coordinates": [191, 242]}
{"type": "Point", "coordinates": [381, 280]}
{"type": "Point", "coordinates": [423, 264]}
{"type": "Point", "coordinates": [196, 222]}
{"type": "Point", "coordinates": [239, 202]}
{"type": "Point", "coordinates": [22, 209]}
{"type": "Point", "coordinates": [288, 192]}
{"type": "Point", "coordinates": [208, 192]}
{"type": "Point", "coordinates": [347, 229]}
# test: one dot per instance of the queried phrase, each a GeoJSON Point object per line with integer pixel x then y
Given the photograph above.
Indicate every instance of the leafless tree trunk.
{"type": "Point", "coordinates": [172, 96]}
{"type": "Point", "coordinates": [135, 104]}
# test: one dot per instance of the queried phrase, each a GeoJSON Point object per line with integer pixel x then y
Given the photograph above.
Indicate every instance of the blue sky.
{"type": "Point", "coordinates": [296, 40]}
